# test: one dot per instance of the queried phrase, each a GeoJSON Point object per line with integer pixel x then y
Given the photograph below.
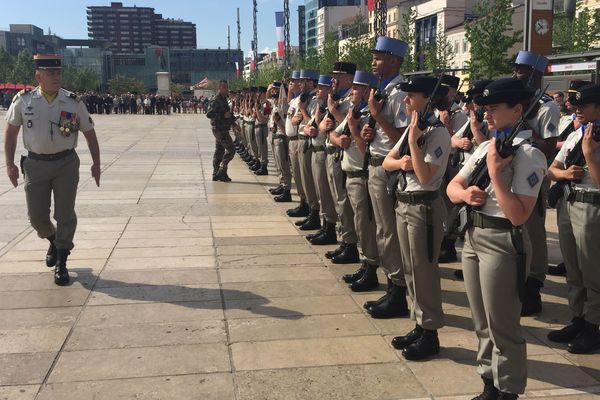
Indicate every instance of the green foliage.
{"type": "Point", "coordinates": [23, 69]}
{"type": "Point", "coordinates": [330, 53]}
{"type": "Point", "coordinates": [407, 34]}
{"type": "Point", "coordinates": [7, 64]}
{"type": "Point", "coordinates": [577, 35]}
{"type": "Point", "coordinates": [177, 89]}
{"type": "Point", "coordinates": [490, 38]}
{"type": "Point", "coordinates": [121, 84]}
{"type": "Point", "coordinates": [79, 79]}
{"type": "Point", "coordinates": [439, 54]}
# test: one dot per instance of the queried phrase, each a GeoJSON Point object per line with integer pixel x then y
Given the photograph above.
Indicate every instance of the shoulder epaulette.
{"type": "Point", "coordinates": [71, 95]}
{"type": "Point", "coordinates": [546, 98]}
{"type": "Point", "coordinates": [21, 93]}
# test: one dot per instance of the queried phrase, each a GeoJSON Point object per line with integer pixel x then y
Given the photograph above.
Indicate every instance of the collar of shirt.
{"type": "Point", "coordinates": [342, 93]}
{"type": "Point", "coordinates": [386, 82]}
{"type": "Point", "coordinates": [48, 96]}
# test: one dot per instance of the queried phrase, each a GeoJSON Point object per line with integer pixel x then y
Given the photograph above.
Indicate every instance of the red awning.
{"type": "Point", "coordinates": [14, 86]}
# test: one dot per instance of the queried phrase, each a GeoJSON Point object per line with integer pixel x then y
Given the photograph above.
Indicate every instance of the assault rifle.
{"type": "Point", "coordinates": [459, 218]}
{"type": "Point", "coordinates": [459, 154]}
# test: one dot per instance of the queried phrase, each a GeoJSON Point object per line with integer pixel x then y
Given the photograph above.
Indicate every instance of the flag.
{"type": "Point", "coordinates": [237, 69]}
{"type": "Point", "coordinates": [371, 5]}
{"type": "Point", "coordinates": [203, 83]}
{"type": "Point", "coordinates": [279, 33]}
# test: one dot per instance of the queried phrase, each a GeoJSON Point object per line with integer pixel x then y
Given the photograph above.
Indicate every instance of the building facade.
{"type": "Point", "coordinates": [21, 37]}
{"type": "Point", "coordinates": [132, 29]}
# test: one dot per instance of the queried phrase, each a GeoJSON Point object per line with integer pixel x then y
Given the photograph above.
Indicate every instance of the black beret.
{"type": "Point", "coordinates": [576, 84]}
{"type": "Point", "coordinates": [342, 67]}
{"type": "Point", "coordinates": [586, 95]}
{"type": "Point", "coordinates": [505, 90]}
{"type": "Point", "coordinates": [477, 89]}
{"type": "Point", "coordinates": [450, 81]}
{"type": "Point", "coordinates": [423, 84]}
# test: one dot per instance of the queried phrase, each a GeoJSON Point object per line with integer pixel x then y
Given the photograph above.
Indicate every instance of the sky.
{"type": "Point", "coordinates": [68, 18]}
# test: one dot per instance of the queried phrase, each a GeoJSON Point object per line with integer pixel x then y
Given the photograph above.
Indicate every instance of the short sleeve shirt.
{"type": "Point", "coordinates": [545, 123]}
{"type": "Point", "coordinates": [353, 158]}
{"type": "Point", "coordinates": [394, 110]}
{"type": "Point", "coordinates": [586, 183]}
{"type": "Point", "coordinates": [436, 150]}
{"type": "Point", "coordinates": [460, 134]}
{"type": "Point", "coordinates": [523, 175]}
{"type": "Point", "coordinates": [42, 122]}
{"type": "Point", "coordinates": [291, 130]}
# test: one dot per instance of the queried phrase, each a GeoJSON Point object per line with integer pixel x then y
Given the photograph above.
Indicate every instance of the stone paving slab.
{"type": "Point", "coordinates": [184, 288]}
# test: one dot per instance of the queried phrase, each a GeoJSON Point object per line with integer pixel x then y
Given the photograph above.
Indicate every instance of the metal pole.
{"type": "Point", "coordinates": [286, 36]}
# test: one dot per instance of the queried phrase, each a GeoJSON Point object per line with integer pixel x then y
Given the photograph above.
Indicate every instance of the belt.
{"type": "Point", "coordinates": [292, 138]}
{"type": "Point", "coordinates": [587, 197]}
{"type": "Point", "coordinates": [259, 125]}
{"type": "Point", "coordinates": [250, 122]}
{"type": "Point", "coordinates": [376, 161]}
{"type": "Point", "coordinates": [318, 148]}
{"type": "Point", "coordinates": [417, 197]}
{"type": "Point", "coordinates": [280, 137]}
{"type": "Point", "coordinates": [488, 222]}
{"type": "Point", "coordinates": [50, 157]}
{"type": "Point", "coordinates": [331, 150]}
{"type": "Point", "coordinates": [357, 174]}
{"type": "Point", "coordinates": [302, 137]}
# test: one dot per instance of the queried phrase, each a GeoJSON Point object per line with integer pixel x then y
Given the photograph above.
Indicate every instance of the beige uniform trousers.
{"type": "Point", "coordinates": [319, 170]}
{"type": "Point", "coordinates": [388, 245]}
{"type": "Point", "coordinates": [358, 194]}
{"type": "Point", "coordinates": [262, 145]}
{"type": "Point", "coordinates": [489, 266]}
{"type": "Point", "coordinates": [294, 145]}
{"type": "Point", "coordinates": [337, 185]}
{"type": "Point", "coordinates": [308, 183]}
{"type": "Point", "coordinates": [579, 230]}
{"type": "Point", "coordinates": [252, 147]}
{"type": "Point", "coordinates": [536, 226]}
{"type": "Point", "coordinates": [44, 179]}
{"type": "Point", "coordinates": [422, 275]}
{"type": "Point", "coordinates": [282, 160]}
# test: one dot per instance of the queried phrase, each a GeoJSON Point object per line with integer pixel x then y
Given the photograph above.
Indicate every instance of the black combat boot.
{"type": "Point", "coordinates": [394, 305]}
{"type": "Point", "coordinates": [61, 274]}
{"type": "Point", "coordinates": [222, 176]}
{"type": "Point", "coordinates": [402, 342]}
{"type": "Point", "coordinates": [448, 252]}
{"type": "Point", "coordinates": [588, 340]}
{"type": "Point", "coordinates": [425, 346]}
{"type": "Point", "coordinates": [255, 166]}
{"type": "Point", "coordinates": [262, 170]}
{"type": "Point", "coordinates": [284, 197]}
{"type": "Point", "coordinates": [532, 303]}
{"type": "Point", "coordinates": [277, 190]}
{"type": "Point", "coordinates": [301, 211]}
{"type": "Point", "coordinates": [356, 275]}
{"type": "Point", "coordinates": [327, 237]}
{"type": "Point", "coordinates": [557, 270]}
{"type": "Point", "coordinates": [380, 300]}
{"type": "Point", "coordinates": [569, 332]}
{"type": "Point", "coordinates": [312, 222]}
{"type": "Point", "coordinates": [313, 235]}
{"type": "Point", "coordinates": [52, 252]}
{"type": "Point", "coordinates": [368, 281]}
{"type": "Point", "coordinates": [332, 253]}
{"type": "Point", "coordinates": [458, 274]}
{"type": "Point", "coordinates": [348, 256]}
{"type": "Point", "coordinates": [301, 222]}
{"type": "Point", "coordinates": [508, 396]}
{"type": "Point", "coordinates": [489, 390]}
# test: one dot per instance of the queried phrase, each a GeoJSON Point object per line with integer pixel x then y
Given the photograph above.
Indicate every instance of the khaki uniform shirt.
{"type": "Point", "coordinates": [394, 110]}
{"type": "Point", "coordinates": [586, 184]}
{"type": "Point", "coordinates": [545, 123]}
{"type": "Point", "coordinates": [436, 150]}
{"type": "Point", "coordinates": [42, 122]}
{"type": "Point", "coordinates": [523, 175]}
{"type": "Point", "coordinates": [291, 130]}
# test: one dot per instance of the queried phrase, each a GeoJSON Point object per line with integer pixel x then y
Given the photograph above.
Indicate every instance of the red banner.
{"type": "Point", "coordinates": [371, 5]}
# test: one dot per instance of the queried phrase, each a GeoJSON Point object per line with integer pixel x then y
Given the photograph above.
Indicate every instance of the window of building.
{"type": "Point", "coordinates": [465, 45]}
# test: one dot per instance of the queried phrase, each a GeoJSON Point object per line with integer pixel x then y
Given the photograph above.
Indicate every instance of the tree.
{"type": "Point", "coordinates": [125, 84]}
{"type": "Point", "coordinates": [407, 34]}
{"type": "Point", "coordinates": [177, 89]}
{"type": "Point", "coordinates": [577, 35]}
{"type": "Point", "coordinates": [79, 79]}
{"type": "Point", "coordinates": [357, 47]}
{"type": "Point", "coordinates": [491, 36]}
{"type": "Point", "coordinates": [24, 69]}
{"type": "Point", "coordinates": [7, 64]}
{"type": "Point", "coordinates": [438, 55]}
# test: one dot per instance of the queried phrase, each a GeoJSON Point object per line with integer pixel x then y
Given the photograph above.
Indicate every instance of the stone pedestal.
{"type": "Point", "coordinates": [163, 83]}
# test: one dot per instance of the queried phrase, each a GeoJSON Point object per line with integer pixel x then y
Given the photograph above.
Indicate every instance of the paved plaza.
{"type": "Point", "coordinates": [184, 288]}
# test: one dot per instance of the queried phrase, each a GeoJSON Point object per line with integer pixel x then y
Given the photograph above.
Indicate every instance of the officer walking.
{"type": "Point", "coordinates": [221, 120]}
{"type": "Point", "coordinates": [51, 118]}
{"type": "Point", "coordinates": [497, 247]}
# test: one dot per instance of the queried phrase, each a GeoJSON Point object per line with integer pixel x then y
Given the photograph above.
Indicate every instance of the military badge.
{"type": "Point", "coordinates": [486, 92]}
{"type": "Point", "coordinates": [533, 179]}
{"type": "Point", "coordinates": [68, 123]}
